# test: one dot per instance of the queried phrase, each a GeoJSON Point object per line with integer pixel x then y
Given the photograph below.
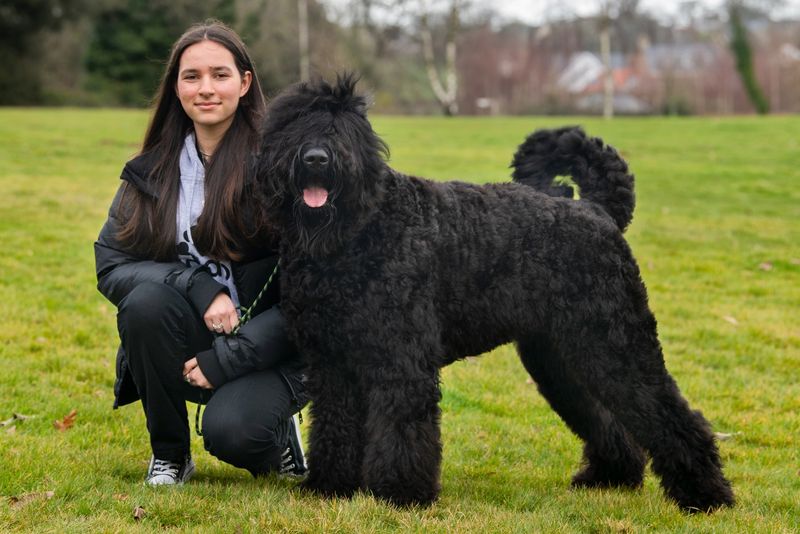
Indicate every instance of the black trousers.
{"type": "Point", "coordinates": [245, 422]}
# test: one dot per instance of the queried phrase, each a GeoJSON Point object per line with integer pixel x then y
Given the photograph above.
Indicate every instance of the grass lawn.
{"type": "Point", "coordinates": [716, 232]}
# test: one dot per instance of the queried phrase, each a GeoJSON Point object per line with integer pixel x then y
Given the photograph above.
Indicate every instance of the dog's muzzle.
{"type": "Point", "coordinates": [316, 161]}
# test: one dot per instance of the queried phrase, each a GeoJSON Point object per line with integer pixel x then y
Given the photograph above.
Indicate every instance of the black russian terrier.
{"type": "Point", "coordinates": [386, 278]}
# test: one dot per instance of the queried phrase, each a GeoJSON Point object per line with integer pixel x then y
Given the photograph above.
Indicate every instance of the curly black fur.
{"type": "Point", "coordinates": [395, 277]}
{"type": "Point", "coordinates": [595, 167]}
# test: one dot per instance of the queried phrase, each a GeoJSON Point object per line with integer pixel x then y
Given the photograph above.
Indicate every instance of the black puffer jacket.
{"type": "Point", "coordinates": [260, 344]}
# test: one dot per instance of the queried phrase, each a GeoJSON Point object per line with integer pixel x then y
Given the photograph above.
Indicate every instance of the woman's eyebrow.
{"type": "Point", "coordinates": [192, 70]}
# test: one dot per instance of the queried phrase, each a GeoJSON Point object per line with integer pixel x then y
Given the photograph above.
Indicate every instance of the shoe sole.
{"type": "Point", "coordinates": [298, 437]}
{"type": "Point", "coordinates": [186, 476]}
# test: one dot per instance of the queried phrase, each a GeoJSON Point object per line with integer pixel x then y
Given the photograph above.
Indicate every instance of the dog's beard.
{"type": "Point", "coordinates": [316, 227]}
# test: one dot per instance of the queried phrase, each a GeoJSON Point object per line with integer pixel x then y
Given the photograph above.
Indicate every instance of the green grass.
{"type": "Point", "coordinates": [716, 232]}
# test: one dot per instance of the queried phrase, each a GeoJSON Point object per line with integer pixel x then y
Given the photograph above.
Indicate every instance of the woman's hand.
{"type": "Point", "coordinates": [194, 376]}
{"type": "Point", "coordinates": [221, 314]}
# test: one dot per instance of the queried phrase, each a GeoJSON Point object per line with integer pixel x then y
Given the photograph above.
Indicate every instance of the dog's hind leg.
{"type": "Point", "coordinates": [611, 458]}
{"type": "Point", "coordinates": [336, 441]}
{"type": "Point", "coordinates": [402, 457]}
{"type": "Point", "coordinates": [635, 386]}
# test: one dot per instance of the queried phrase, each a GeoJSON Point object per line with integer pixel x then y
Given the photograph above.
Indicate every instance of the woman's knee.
{"type": "Point", "coordinates": [243, 441]}
{"type": "Point", "coordinates": [148, 306]}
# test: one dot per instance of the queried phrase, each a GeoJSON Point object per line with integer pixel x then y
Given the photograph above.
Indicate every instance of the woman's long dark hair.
{"type": "Point", "coordinates": [222, 232]}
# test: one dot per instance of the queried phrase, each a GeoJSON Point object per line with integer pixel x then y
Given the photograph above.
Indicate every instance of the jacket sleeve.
{"type": "Point", "coordinates": [261, 343]}
{"type": "Point", "coordinates": [119, 271]}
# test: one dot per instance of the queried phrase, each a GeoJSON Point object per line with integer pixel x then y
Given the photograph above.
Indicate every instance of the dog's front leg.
{"type": "Point", "coordinates": [402, 458]}
{"type": "Point", "coordinates": [336, 440]}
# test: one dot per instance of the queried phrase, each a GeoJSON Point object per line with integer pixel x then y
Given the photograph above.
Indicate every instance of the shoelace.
{"type": "Point", "coordinates": [164, 467]}
{"type": "Point", "coordinates": [287, 462]}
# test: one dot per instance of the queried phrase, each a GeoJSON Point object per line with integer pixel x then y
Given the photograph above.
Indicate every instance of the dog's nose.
{"type": "Point", "coordinates": [316, 158]}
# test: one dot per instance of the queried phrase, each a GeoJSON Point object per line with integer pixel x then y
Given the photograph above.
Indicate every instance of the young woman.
{"type": "Point", "coordinates": [183, 251]}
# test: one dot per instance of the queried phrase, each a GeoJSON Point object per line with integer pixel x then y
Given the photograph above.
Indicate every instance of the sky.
{"type": "Point", "coordinates": [537, 11]}
{"type": "Point", "coordinates": [534, 11]}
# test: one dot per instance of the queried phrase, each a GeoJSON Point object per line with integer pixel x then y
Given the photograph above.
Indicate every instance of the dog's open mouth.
{"type": "Point", "coordinates": [315, 197]}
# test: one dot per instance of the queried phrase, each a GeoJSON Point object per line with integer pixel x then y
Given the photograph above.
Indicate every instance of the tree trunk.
{"type": "Point", "coordinates": [302, 31]}
{"type": "Point", "coordinates": [445, 93]}
{"type": "Point", "coordinates": [608, 75]}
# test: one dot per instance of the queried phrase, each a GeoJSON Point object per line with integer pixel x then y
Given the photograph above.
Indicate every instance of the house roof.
{"type": "Point", "coordinates": [583, 69]}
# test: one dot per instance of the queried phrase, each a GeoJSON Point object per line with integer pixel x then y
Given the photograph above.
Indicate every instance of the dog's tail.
{"type": "Point", "coordinates": [599, 172]}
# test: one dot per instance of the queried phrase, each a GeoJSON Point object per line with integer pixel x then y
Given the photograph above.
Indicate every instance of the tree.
{"type": "Point", "coordinates": [282, 52]}
{"type": "Point", "coordinates": [740, 46]}
{"type": "Point", "coordinates": [21, 25]}
{"type": "Point", "coordinates": [610, 10]}
{"type": "Point", "coordinates": [302, 32]}
{"type": "Point", "coordinates": [604, 24]}
{"type": "Point", "coordinates": [446, 92]}
{"type": "Point", "coordinates": [132, 41]}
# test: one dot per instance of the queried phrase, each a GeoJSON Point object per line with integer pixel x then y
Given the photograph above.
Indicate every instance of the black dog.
{"type": "Point", "coordinates": [386, 278]}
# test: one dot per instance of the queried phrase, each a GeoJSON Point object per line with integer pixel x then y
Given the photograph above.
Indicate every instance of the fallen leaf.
{"type": "Point", "coordinates": [121, 496]}
{"type": "Point", "coordinates": [67, 422]}
{"type": "Point", "coordinates": [765, 266]}
{"type": "Point", "coordinates": [22, 500]}
{"type": "Point", "coordinates": [529, 381]}
{"type": "Point", "coordinates": [730, 319]}
{"type": "Point", "coordinates": [138, 513]}
{"type": "Point", "coordinates": [724, 436]}
{"type": "Point", "coordinates": [11, 430]}
{"type": "Point", "coordinates": [795, 261]}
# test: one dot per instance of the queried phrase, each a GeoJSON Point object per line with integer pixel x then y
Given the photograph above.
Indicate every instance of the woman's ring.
{"type": "Point", "coordinates": [216, 327]}
{"type": "Point", "coordinates": [187, 379]}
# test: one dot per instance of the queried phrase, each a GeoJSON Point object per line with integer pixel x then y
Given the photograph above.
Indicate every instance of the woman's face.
{"type": "Point", "coordinates": [209, 86]}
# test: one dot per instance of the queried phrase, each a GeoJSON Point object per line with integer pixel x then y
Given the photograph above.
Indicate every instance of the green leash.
{"type": "Point", "coordinates": [246, 316]}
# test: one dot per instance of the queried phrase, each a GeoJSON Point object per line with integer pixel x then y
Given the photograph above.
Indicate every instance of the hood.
{"type": "Point", "coordinates": [137, 173]}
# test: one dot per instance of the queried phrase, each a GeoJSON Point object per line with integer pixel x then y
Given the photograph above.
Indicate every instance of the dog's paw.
{"type": "Point", "coordinates": [592, 476]}
{"type": "Point", "coordinates": [406, 497]}
{"type": "Point", "coordinates": [327, 489]}
{"type": "Point", "coordinates": [706, 497]}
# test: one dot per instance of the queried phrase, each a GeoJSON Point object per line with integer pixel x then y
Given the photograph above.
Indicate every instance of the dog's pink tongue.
{"type": "Point", "coordinates": [315, 196]}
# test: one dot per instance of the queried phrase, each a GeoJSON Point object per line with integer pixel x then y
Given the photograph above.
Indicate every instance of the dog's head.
{"type": "Point", "coordinates": [319, 161]}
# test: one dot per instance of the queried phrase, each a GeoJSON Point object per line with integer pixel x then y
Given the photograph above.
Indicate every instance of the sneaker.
{"type": "Point", "coordinates": [293, 461]}
{"type": "Point", "coordinates": [166, 473]}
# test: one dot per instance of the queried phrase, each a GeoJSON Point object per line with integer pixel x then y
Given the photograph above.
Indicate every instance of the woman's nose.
{"type": "Point", "coordinates": [206, 87]}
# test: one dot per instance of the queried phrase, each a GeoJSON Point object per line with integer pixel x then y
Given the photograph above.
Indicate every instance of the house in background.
{"type": "Point", "coordinates": [646, 82]}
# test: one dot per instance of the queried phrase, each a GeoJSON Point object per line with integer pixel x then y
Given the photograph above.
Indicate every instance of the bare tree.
{"type": "Point", "coordinates": [302, 32]}
{"type": "Point", "coordinates": [604, 22]}
{"type": "Point", "coordinates": [447, 92]}
{"type": "Point", "coordinates": [609, 11]}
